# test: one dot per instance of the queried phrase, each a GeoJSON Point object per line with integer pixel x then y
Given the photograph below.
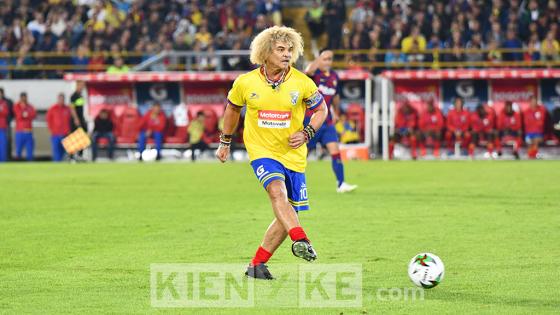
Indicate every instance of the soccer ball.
{"type": "Point", "coordinates": [426, 270]}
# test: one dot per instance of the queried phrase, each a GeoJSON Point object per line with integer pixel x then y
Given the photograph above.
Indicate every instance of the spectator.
{"type": "Point", "coordinates": [494, 55]}
{"type": "Point", "coordinates": [335, 16]}
{"type": "Point", "coordinates": [103, 129]}
{"type": "Point", "coordinates": [118, 66]}
{"type": "Point", "coordinates": [458, 121]}
{"type": "Point", "coordinates": [509, 126]}
{"type": "Point", "coordinates": [197, 137]}
{"type": "Point", "coordinates": [431, 125]}
{"type": "Point", "coordinates": [406, 124]}
{"type": "Point", "coordinates": [533, 48]}
{"type": "Point", "coordinates": [394, 57]}
{"type": "Point", "coordinates": [316, 24]}
{"type": "Point", "coordinates": [24, 114]}
{"type": "Point", "coordinates": [512, 43]}
{"type": "Point", "coordinates": [81, 59]}
{"type": "Point", "coordinates": [271, 9]}
{"type": "Point", "coordinates": [414, 45]}
{"type": "Point", "coordinates": [534, 119]}
{"type": "Point", "coordinates": [58, 121]}
{"type": "Point", "coordinates": [475, 43]}
{"type": "Point", "coordinates": [152, 126]}
{"type": "Point", "coordinates": [550, 49]}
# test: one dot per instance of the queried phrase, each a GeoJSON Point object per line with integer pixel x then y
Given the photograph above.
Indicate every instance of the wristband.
{"type": "Point", "coordinates": [225, 140]}
{"type": "Point", "coordinates": [309, 133]}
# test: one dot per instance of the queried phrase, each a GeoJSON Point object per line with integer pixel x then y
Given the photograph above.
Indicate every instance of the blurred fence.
{"type": "Point", "coordinates": [43, 64]}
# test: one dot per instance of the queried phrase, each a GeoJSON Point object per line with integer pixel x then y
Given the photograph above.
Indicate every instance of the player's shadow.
{"type": "Point", "coordinates": [461, 297]}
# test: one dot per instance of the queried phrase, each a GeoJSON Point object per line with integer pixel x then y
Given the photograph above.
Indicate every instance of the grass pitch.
{"type": "Point", "coordinates": [81, 238]}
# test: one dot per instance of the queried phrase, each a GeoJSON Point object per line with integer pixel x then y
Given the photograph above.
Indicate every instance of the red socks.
{"type": "Point", "coordinates": [297, 234]}
{"type": "Point", "coordinates": [261, 256]}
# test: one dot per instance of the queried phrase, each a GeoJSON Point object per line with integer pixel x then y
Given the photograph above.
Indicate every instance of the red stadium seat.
{"type": "Point", "coordinates": [128, 126]}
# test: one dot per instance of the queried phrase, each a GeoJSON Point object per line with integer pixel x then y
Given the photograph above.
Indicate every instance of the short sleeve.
{"type": "Point", "coordinates": [236, 95]}
{"type": "Point", "coordinates": [311, 95]}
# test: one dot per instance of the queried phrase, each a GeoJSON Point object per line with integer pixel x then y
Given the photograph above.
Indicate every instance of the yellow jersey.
{"type": "Point", "coordinates": [273, 115]}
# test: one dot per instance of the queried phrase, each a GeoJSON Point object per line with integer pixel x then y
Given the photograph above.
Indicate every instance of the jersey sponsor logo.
{"type": "Point", "coordinates": [274, 119]}
{"type": "Point", "coordinates": [253, 96]}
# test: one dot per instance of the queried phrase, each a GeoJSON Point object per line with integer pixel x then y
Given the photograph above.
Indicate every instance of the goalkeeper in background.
{"type": "Point", "coordinates": [277, 96]}
{"type": "Point", "coordinates": [327, 82]}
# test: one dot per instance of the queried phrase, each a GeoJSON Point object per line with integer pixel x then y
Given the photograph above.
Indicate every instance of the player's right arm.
{"type": "Point", "coordinates": [231, 118]}
{"type": "Point", "coordinates": [236, 101]}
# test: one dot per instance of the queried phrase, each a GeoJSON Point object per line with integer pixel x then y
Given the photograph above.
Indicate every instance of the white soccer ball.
{"type": "Point", "coordinates": [426, 270]}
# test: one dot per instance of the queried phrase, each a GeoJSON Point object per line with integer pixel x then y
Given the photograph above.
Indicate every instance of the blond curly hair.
{"type": "Point", "coordinates": [262, 44]}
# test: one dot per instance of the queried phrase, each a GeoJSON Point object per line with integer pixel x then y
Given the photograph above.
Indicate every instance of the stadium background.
{"type": "Point", "coordinates": [55, 41]}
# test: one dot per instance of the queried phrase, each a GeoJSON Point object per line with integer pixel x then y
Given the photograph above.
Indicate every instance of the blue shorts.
{"type": "Point", "coordinates": [268, 170]}
{"type": "Point", "coordinates": [325, 134]}
{"type": "Point", "coordinates": [533, 135]}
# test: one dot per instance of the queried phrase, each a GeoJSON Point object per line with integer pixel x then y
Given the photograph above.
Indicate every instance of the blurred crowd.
{"type": "Point", "coordinates": [94, 34]}
{"type": "Point", "coordinates": [412, 27]}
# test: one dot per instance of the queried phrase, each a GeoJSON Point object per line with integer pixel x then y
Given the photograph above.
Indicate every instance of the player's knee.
{"type": "Point", "coordinates": [276, 190]}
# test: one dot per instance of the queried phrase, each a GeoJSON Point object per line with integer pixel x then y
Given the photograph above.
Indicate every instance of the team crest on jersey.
{"type": "Point", "coordinates": [294, 95]}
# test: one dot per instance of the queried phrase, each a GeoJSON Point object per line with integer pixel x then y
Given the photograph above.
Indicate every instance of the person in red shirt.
{"type": "Point", "coordinates": [24, 114]}
{"type": "Point", "coordinates": [457, 127]}
{"type": "Point", "coordinates": [4, 113]}
{"type": "Point", "coordinates": [406, 123]}
{"type": "Point", "coordinates": [431, 125]}
{"type": "Point", "coordinates": [483, 128]}
{"type": "Point", "coordinates": [58, 121]}
{"type": "Point", "coordinates": [153, 126]}
{"type": "Point", "coordinates": [509, 125]}
{"type": "Point", "coordinates": [534, 119]}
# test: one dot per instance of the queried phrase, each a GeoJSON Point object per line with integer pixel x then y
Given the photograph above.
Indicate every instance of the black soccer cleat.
{"type": "Point", "coordinates": [303, 249]}
{"type": "Point", "coordinates": [259, 271]}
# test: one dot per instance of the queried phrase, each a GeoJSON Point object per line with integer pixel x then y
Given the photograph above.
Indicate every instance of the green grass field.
{"type": "Point", "coordinates": [81, 238]}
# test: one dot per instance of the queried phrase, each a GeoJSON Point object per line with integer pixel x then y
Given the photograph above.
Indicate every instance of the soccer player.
{"type": "Point", "coordinates": [458, 122]}
{"type": "Point", "coordinates": [483, 127]}
{"type": "Point", "coordinates": [509, 125]}
{"type": "Point", "coordinates": [327, 82]}
{"type": "Point", "coordinates": [58, 121]}
{"type": "Point", "coordinates": [152, 126]}
{"type": "Point", "coordinates": [24, 114]}
{"type": "Point", "coordinates": [534, 119]}
{"type": "Point", "coordinates": [406, 123]}
{"type": "Point", "coordinates": [431, 126]}
{"type": "Point", "coordinates": [276, 96]}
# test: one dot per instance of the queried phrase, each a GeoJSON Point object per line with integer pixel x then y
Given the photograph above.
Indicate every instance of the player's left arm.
{"type": "Point", "coordinates": [335, 108]}
{"type": "Point", "coordinates": [317, 119]}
